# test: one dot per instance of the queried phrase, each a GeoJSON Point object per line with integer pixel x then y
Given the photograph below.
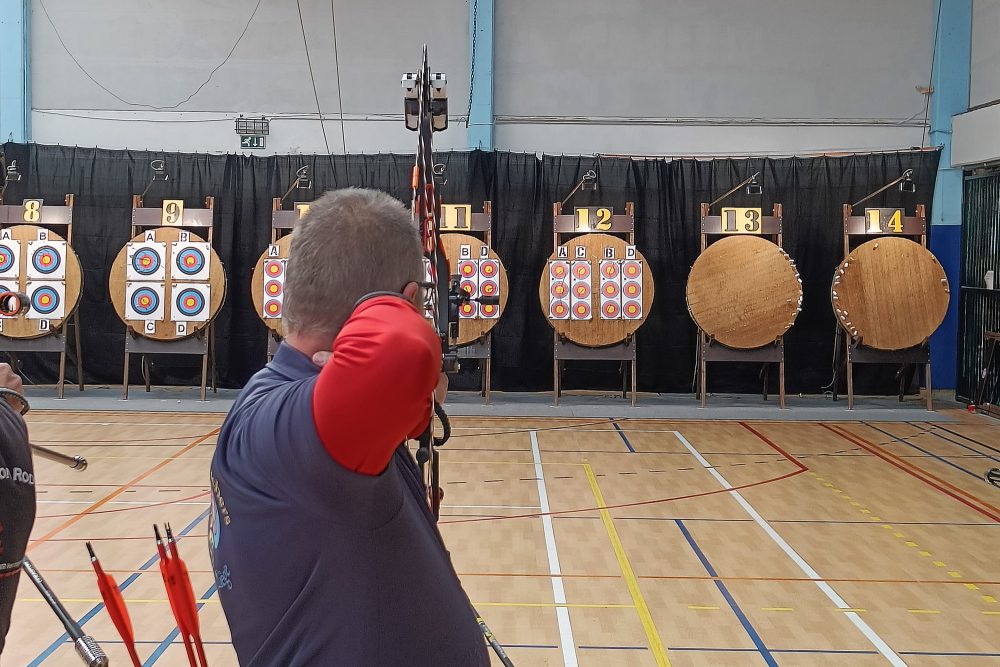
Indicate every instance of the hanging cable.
{"type": "Point", "coordinates": [930, 77]}
{"type": "Point", "coordinates": [336, 58]}
{"type": "Point", "coordinates": [472, 59]}
{"type": "Point", "coordinates": [312, 78]}
{"type": "Point", "coordinates": [140, 104]}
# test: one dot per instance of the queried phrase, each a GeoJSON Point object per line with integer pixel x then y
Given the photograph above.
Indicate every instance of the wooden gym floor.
{"type": "Point", "coordinates": [593, 542]}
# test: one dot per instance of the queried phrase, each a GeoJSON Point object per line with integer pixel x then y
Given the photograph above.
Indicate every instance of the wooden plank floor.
{"type": "Point", "coordinates": [592, 542]}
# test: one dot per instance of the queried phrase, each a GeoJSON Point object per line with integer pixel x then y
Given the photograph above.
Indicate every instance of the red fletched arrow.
{"type": "Point", "coordinates": [175, 594]}
{"type": "Point", "coordinates": [115, 605]}
{"type": "Point", "coordinates": [187, 599]}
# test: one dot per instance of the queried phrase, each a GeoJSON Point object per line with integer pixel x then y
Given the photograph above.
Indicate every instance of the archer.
{"type": "Point", "coordinates": [319, 520]}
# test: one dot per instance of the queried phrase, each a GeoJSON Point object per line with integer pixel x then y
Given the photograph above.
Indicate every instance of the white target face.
{"type": "Point", "coordinates": [190, 302]}
{"type": "Point", "coordinates": [48, 300]}
{"type": "Point", "coordinates": [144, 301]}
{"type": "Point", "coordinates": [478, 277]}
{"type": "Point", "coordinates": [146, 261]}
{"type": "Point", "coordinates": [581, 292]}
{"type": "Point", "coordinates": [632, 310]}
{"type": "Point", "coordinates": [274, 288]}
{"type": "Point", "coordinates": [46, 260]}
{"type": "Point", "coordinates": [191, 260]}
{"type": "Point", "coordinates": [559, 309]}
{"type": "Point", "coordinates": [10, 259]}
{"type": "Point", "coordinates": [611, 289]}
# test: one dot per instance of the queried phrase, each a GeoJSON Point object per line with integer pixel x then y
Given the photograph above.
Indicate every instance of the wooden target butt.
{"type": "Point", "coordinates": [67, 288]}
{"type": "Point", "coordinates": [596, 331]}
{"type": "Point", "coordinates": [269, 276]}
{"type": "Point", "coordinates": [890, 293]}
{"type": "Point", "coordinates": [744, 292]}
{"type": "Point", "coordinates": [166, 329]}
{"type": "Point", "coordinates": [471, 329]}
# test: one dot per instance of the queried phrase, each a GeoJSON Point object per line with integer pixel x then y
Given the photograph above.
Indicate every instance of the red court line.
{"type": "Point", "coordinates": [775, 447]}
{"type": "Point", "coordinates": [121, 489]}
{"type": "Point", "coordinates": [927, 478]}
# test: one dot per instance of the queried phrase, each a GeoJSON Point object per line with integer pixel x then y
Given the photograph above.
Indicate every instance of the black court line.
{"type": "Point", "coordinates": [624, 437]}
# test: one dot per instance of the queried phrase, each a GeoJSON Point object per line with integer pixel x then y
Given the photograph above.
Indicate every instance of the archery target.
{"type": "Point", "coordinates": [46, 260]}
{"type": "Point", "coordinates": [489, 311]}
{"type": "Point", "coordinates": [189, 302]}
{"type": "Point", "coordinates": [8, 287]}
{"type": "Point", "coordinates": [489, 269]}
{"type": "Point", "coordinates": [632, 269]}
{"type": "Point", "coordinates": [611, 292]}
{"type": "Point", "coordinates": [558, 269]}
{"type": "Point", "coordinates": [274, 288]}
{"type": "Point", "coordinates": [144, 301]}
{"type": "Point", "coordinates": [580, 290]}
{"type": "Point", "coordinates": [467, 268]}
{"type": "Point", "coordinates": [10, 258]}
{"type": "Point", "coordinates": [146, 261]}
{"type": "Point", "coordinates": [468, 310]}
{"type": "Point", "coordinates": [48, 300]}
{"type": "Point", "coordinates": [190, 260]}
{"type": "Point", "coordinates": [559, 309]}
{"type": "Point", "coordinates": [632, 310]}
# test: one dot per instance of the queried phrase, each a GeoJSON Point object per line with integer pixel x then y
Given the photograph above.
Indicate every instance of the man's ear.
{"type": "Point", "coordinates": [412, 292]}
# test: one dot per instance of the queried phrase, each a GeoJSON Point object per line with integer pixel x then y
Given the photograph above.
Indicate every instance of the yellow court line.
{"type": "Point", "coordinates": [655, 643]}
{"type": "Point", "coordinates": [701, 607]}
{"type": "Point", "coordinates": [924, 611]}
{"type": "Point", "coordinates": [777, 609]}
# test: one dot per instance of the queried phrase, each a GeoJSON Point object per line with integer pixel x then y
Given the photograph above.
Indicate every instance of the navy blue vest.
{"type": "Point", "coordinates": [319, 565]}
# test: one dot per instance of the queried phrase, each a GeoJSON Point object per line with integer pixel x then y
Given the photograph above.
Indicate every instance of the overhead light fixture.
{"type": "Point", "coordinates": [253, 126]}
{"type": "Point", "coordinates": [587, 182]}
{"type": "Point", "coordinates": [159, 169]}
{"type": "Point", "coordinates": [753, 188]}
{"type": "Point", "coordinates": [906, 185]}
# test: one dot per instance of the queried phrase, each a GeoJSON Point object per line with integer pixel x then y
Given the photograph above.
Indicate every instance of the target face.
{"type": "Point", "coordinates": [581, 270]}
{"type": "Point", "coordinates": [489, 268]}
{"type": "Point", "coordinates": [274, 268]}
{"type": "Point", "coordinates": [610, 290]}
{"type": "Point", "coordinates": [489, 311]}
{"type": "Point", "coordinates": [45, 300]}
{"type": "Point", "coordinates": [469, 286]}
{"type": "Point", "coordinates": [632, 289]}
{"type": "Point", "coordinates": [467, 269]}
{"type": "Point", "coordinates": [632, 310]}
{"type": "Point", "coordinates": [559, 290]}
{"type": "Point", "coordinates": [274, 288]}
{"type": "Point", "coordinates": [489, 288]}
{"type": "Point", "coordinates": [46, 260]}
{"type": "Point", "coordinates": [145, 302]}
{"type": "Point", "coordinates": [581, 310]}
{"type": "Point", "coordinates": [467, 310]}
{"type": "Point", "coordinates": [610, 310]}
{"type": "Point", "coordinates": [632, 269]}
{"type": "Point", "coordinates": [190, 261]}
{"type": "Point", "coordinates": [581, 290]}
{"type": "Point", "coordinates": [558, 270]}
{"type": "Point", "coordinates": [146, 262]}
{"type": "Point", "coordinates": [272, 309]}
{"type": "Point", "coordinates": [189, 303]}
{"type": "Point", "coordinates": [9, 257]}
{"type": "Point", "coordinates": [609, 270]}
{"type": "Point", "coordinates": [558, 310]}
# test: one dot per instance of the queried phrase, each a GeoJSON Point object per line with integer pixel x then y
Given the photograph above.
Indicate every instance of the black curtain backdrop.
{"type": "Point", "coordinates": [522, 188]}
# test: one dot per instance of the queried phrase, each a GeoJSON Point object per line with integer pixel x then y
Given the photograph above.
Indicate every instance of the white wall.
{"type": "Point", "coordinates": [976, 134]}
{"type": "Point", "coordinates": [674, 77]}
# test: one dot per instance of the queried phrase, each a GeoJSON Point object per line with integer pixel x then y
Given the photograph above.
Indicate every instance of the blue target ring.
{"type": "Point", "coordinates": [46, 260]}
{"type": "Point", "coordinates": [190, 302]}
{"type": "Point", "coordinates": [190, 261]}
{"type": "Point", "coordinates": [45, 300]}
{"type": "Point", "coordinates": [146, 262]}
{"type": "Point", "coordinates": [145, 301]}
{"type": "Point", "coordinates": [6, 258]}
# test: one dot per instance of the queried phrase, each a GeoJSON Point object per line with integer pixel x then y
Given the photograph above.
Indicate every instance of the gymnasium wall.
{"type": "Point", "coordinates": [976, 137]}
{"type": "Point", "coordinates": [675, 77]}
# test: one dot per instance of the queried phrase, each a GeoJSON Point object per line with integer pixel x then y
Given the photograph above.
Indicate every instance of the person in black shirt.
{"type": "Point", "coordinates": [17, 492]}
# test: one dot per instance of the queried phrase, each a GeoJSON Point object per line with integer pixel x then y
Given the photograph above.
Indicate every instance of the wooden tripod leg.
{"type": "Point", "coordinates": [635, 381]}
{"type": "Point", "coordinates": [930, 399]}
{"type": "Point", "coordinates": [62, 370]}
{"type": "Point", "coordinates": [487, 379]}
{"type": "Point", "coordinates": [850, 381]}
{"type": "Point", "coordinates": [204, 374]}
{"type": "Point", "coordinates": [79, 349]}
{"type": "Point", "coordinates": [702, 371]}
{"type": "Point", "coordinates": [125, 378]}
{"type": "Point", "coordinates": [781, 382]}
{"type": "Point", "coordinates": [555, 381]}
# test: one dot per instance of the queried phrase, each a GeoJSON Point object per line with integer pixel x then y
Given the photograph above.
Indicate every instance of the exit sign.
{"type": "Point", "coordinates": [251, 141]}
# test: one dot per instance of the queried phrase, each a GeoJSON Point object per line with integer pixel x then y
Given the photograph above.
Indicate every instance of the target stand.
{"type": "Point", "coordinates": [467, 240]}
{"type": "Point", "coordinates": [605, 264]}
{"type": "Point", "coordinates": [267, 288]}
{"type": "Point", "coordinates": [39, 262]}
{"type": "Point", "coordinates": [889, 295]}
{"type": "Point", "coordinates": [167, 285]}
{"type": "Point", "coordinates": [743, 293]}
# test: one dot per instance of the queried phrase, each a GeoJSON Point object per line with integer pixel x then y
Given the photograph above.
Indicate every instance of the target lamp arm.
{"type": "Point", "coordinates": [301, 182]}
{"type": "Point", "coordinates": [159, 168]}
{"type": "Point", "coordinates": [747, 181]}
{"type": "Point", "coordinates": [588, 178]}
{"type": "Point", "coordinates": [905, 177]}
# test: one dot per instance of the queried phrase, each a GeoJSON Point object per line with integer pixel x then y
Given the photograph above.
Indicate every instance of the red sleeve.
{"type": "Point", "coordinates": [376, 390]}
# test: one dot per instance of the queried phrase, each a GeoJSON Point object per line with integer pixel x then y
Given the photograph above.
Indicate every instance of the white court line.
{"type": "Point", "coordinates": [807, 569]}
{"type": "Point", "coordinates": [114, 502]}
{"type": "Point", "coordinates": [558, 593]}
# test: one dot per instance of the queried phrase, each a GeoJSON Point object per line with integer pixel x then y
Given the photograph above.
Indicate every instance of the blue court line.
{"type": "Point", "coordinates": [622, 434]}
{"type": "Point", "coordinates": [898, 439]}
{"type": "Point", "coordinates": [175, 632]}
{"type": "Point", "coordinates": [938, 427]}
{"type": "Point", "coordinates": [121, 587]}
{"type": "Point", "coordinates": [956, 442]}
{"type": "Point", "coordinates": [751, 632]}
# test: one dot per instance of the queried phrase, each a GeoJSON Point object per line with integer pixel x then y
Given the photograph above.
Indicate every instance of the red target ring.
{"type": "Point", "coordinates": [489, 310]}
{"type": "Point", "coordinates": [581, 270]}
{"type": "Point", "coordinates": [559, 290]}
{"type": "Point", "coordinates": [489, 268]}
{"type": "Point", "coordinates": [632, 289]}
{"type": "Point", "coordinates": [488, 288]}
{"type": "Point", "coordinates": [273, 288]}
{"type": "Point", "coordinates": [274, 268]}
{"type": "Point", "coordinates": [582, 310]}
{"type": "Point", "coordinates": [581, 290]}
{"type": "Point", "coordinates": [272, 308]}
{"type": "Point", "coordinates": [559, 269]}
{"type": "Point", "coordinates": [632, 309]}
{"type": "Point", "coordinates": [610, 309]}
{"type": "Point", "coordinates": [609, 269]}
{"type": "Point", "coordinates": [632, 269]}
{"type": "Point", "coordinates": [467, 269]}
{"type": "Point", "coordinates": [559, 309]}
{"type": "Point", "coordinates": [610, 290]}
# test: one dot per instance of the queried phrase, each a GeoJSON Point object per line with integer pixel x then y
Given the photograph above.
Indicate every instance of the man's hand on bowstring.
{"type": "Point", "coordinates": [12, 381]}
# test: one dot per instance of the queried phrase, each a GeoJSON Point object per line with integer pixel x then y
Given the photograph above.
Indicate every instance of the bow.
{"type": "Point", "coordinates": [426, 111]}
